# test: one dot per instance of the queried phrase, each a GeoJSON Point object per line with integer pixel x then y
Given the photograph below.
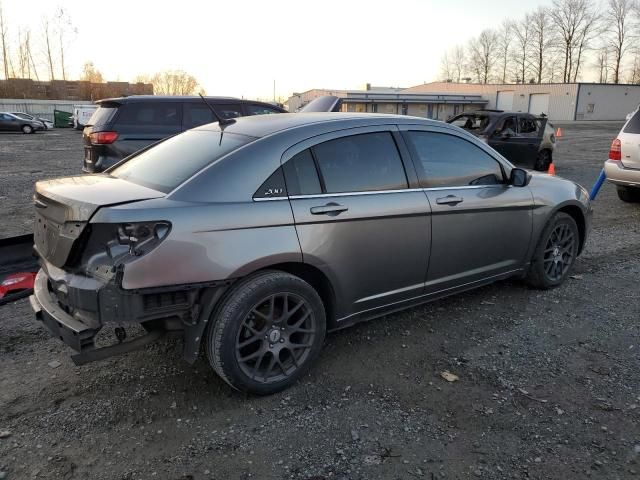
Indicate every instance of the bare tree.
{"type": "Point", "coordinates": [458, 59]}
{"type": "Point", "coordinates": [446, 67]}
{"type": "Point", "coordinates": [482, 55]}
{"type": "Point", "coordinates": [3, 38]}
{"type": "Point", "coordinates": [634, 70]}
{"type": "Point", "coordinates": [505, 39]}
{"type": "Point", "coordinates": [64, 29]}
{"type": "Point", "coordinates": [618, 20]}
{"type": "Point", "coordinates": [174, 82]}
{"type": "Point", "coordinates": [48, 45]}
{"type": "Point", "coordinates": [576, 22]}
{"type": "Point", "coordinates": [542, 41]}
{"type": "Point", "coordinates": [602, 64]}
{"type": "Point", "coordinates": [522, 33]}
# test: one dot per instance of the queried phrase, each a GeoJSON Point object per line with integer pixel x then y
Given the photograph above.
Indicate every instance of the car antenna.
{"type": "Point", "coordinates": [223, 122]}
{"type": "Point", "coordinates": [220, 120]}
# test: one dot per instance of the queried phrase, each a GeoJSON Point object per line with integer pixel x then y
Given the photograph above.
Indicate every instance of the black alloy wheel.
{"type": "Point", "coordinates": [266, 332]}
{"type": "Point", "coordinates": [276, 337]}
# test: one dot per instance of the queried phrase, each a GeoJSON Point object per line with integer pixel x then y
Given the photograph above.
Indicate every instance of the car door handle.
{"type": "Point", "coordinates": [331, 209]}
{"type": "Point", "coordinates": [449, 200]}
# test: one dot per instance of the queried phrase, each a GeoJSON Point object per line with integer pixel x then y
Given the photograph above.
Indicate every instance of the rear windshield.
{"type": "Point", "coordinates": [633, 125]}
{"type": "Point", "coordinates": [171, 162]}
{"type": "Point", "coordinates": [102, 116]}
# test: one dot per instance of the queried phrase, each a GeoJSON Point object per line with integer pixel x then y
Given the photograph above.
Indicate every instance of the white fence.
{"type": "Point", "coordinates": [39, 108]}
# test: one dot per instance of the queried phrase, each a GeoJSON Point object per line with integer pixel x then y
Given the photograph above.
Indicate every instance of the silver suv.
{"type": "Point", "coordinates": [623, 167]}
{"type": "Point", "coordinates": [254, 238]}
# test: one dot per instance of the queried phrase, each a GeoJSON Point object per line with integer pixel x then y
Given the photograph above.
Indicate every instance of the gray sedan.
{"type": "Point", "coordinates": [256, 237]}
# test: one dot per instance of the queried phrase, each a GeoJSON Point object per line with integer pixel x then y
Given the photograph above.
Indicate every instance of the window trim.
{"type": "Point", "coordinates": [504, 164]}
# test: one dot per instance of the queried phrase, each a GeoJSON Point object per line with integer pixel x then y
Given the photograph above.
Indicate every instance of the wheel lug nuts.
{"type": "Point", "coordinates": [282, 340]}
{"type": "Point", "coordinates": [271, 345]}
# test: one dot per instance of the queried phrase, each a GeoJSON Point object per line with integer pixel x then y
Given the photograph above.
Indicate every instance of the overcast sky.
{"type": "Point", "coordinates": [239, 47]}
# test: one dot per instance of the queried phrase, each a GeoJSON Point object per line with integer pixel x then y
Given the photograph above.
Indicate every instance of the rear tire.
{"type": "Point", "coordinates": [555, 253]}
{"type": "Point", "coordinates": [628, 194]}
{"type": "Point", "coordinates": [27, 129]}
{"type": "Point", "coordinates": [543, 161]}
{"type": "Point", "coordinates": [266, 333]}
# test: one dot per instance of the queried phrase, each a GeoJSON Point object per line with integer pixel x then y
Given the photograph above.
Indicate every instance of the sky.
{"type": "Point", "coordinates": [240, 47]}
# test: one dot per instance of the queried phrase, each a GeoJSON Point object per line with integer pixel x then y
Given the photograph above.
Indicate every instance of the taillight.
{"type": "Point", "coordinates": [103, 138]}
{"type": "Point", "coordinates": [615, 153]}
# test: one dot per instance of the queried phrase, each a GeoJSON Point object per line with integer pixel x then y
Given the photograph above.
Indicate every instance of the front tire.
{"type": "Point", "coordinates": [27, 129]}
{"type": "Point", "coordinates": [543, 161]}
{"type": "Point", "coordinates": [555, 253]}
{"type": "Point", "coordinates": [266, 333]}
{"type": "Point", "coordinates": [628, 194]}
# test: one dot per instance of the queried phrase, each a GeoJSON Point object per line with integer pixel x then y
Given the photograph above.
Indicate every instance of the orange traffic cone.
{"type": "Point", "coordinates": [559, 133]}
{"type": "Point", "coordinates": [552, 169]}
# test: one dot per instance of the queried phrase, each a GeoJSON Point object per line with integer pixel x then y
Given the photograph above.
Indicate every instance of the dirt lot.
{"type": "Point", "coordinates": [549, 381]}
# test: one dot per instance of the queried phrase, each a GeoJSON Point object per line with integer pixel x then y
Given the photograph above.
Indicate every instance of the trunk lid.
{"type": "Point", "coordinates": [630, 142]}
{"type": "Point", "coordinates": [64, 206]}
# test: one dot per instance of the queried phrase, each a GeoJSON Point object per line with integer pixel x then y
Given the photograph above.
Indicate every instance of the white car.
{"type": "Point", "coordinates": [82, 114]}
{"type": "Point", "coordinates": [623, 167]}
{"type": "Point", "coordinates": [48, 124]}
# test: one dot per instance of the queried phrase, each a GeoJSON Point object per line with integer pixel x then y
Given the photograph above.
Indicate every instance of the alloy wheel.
{"type": "Point", "coordinates": [559, 252]}
{"type": "Point", "coordinates": [276, 337]}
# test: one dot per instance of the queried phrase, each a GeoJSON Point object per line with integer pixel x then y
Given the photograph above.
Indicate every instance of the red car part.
{"type": "Point", "coordinates": [16, 285]}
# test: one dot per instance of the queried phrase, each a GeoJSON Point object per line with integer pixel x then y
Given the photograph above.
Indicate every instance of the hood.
{"type": "Point", "coordinates": [64, 206]}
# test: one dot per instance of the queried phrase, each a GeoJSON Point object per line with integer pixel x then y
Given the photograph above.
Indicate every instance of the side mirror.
{"type": "Point", "coordinates": [519, 177]}
{"type": "Point", "coordinates": [504, 135]}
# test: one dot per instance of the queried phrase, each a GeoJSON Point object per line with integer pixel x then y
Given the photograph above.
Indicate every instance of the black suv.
{"type": "Point", "coordinates": [122, 126]}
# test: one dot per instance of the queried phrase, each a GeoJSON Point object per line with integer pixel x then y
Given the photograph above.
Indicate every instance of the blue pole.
{"type": "Point", "coordinates": [596, 186]}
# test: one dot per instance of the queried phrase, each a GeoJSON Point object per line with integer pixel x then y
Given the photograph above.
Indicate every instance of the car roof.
{"type": "Point", "coordinates": [176, 98]}
{"type": "Point", "coordinates": [495, 113]}
{"type": "Point", "coordinates": [263, 125]}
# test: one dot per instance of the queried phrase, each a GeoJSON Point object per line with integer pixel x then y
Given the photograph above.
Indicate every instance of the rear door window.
{"type": "Point", "coordinates": [196, 114]}
{"type": "Point", "coordinates": [450, 161]}
{"type": "Point", "coordinates": [633, 125]}
{"type": "Point", "coordinates": [162, 114]}
{"type": "Point", "coordinates": [228, 110]}
{"type": "Point", "coordinates": [357, 163]}
{"type": "Point", "coordinates": [301, 175]}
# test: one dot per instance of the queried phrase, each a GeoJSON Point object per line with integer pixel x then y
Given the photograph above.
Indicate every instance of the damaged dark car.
{"type": "Point", "coordinates": [524, 139]}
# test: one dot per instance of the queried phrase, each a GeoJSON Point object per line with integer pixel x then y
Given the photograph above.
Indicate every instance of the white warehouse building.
{"type": "Point", "coordinates": [559, 101]}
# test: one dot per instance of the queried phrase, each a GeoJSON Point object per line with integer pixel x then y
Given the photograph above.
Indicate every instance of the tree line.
{"type": "Point", "coordinates": [42, 55]}
{"type": "Point", "coordinates": [558, 43]}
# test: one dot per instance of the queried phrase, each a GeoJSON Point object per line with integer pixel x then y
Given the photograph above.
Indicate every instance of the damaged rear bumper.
{"type": "Point", "coordinates": [74, 308]}
{"type": "Point", "coordinates": [59, 323]}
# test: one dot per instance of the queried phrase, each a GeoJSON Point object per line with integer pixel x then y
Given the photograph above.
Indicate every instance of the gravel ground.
{"type": "Point", "coordinates": [549, 385]}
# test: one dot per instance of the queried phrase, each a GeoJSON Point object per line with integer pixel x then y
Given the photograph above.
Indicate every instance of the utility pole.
{"type": "Point", "coordinates": [274, 91]}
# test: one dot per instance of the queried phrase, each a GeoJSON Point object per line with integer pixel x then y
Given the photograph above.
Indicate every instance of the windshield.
{"type": "Point", "coordinates": [166, 165]}
{"type": "Point", "coordinates": [474, 122]}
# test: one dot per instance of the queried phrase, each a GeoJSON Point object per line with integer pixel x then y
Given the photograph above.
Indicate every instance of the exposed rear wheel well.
{"type": "Point", "coordinates": [578, 217]}
{"type": "Point", "coordinates": [318, 280]}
